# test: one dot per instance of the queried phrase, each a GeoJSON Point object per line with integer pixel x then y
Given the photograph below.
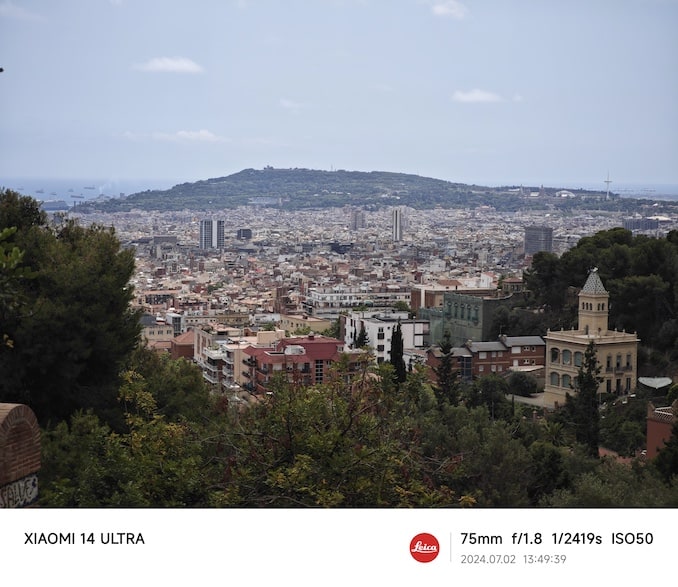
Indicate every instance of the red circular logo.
{"type": "Point", "coordinates": [424, 547]}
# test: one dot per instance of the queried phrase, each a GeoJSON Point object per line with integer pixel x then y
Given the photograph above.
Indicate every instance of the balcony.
{"type": "Point", "coordinates": [209, 377]}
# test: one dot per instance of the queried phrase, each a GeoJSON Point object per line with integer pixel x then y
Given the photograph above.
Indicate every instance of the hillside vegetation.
{"type": "Point", "coordinates": [308, 188]}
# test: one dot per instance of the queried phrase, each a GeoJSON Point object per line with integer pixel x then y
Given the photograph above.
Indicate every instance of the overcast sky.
{"type": "Point", "coordinates": [479, 91]}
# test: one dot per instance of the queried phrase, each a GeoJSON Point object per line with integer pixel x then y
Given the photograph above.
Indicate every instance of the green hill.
{"type": "Point", "coordinates": [307, 188]}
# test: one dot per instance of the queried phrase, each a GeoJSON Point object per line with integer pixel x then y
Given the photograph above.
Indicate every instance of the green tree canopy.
{"type": "Point", "coordinates": [76, 327]}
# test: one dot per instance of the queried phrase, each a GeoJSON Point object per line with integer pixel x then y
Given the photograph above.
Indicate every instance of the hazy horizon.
{"type": "Point", "coordinates": [65, 188]}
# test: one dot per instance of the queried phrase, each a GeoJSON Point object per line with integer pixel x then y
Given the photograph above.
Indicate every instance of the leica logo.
{"type": "Point", "coordinates": [424, 547]}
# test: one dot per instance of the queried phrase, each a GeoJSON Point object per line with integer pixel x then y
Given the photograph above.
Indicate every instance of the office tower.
{"type": "Point", "coordinates": [212, 234]}
{"type": "Point", "coordinates": [244, 234]}
{"type": "Point", "coordinates": [357, 219]}
{"type": "Point", "coordinates": [538, 238]}
{"type": "Point", "coordinates": [397, 225]}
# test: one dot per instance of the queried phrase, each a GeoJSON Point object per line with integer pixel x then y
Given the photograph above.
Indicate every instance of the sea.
{"type": "Point", "coordinates": [74, 190]}
{"type": "Point", "coordinates": [71, 191]}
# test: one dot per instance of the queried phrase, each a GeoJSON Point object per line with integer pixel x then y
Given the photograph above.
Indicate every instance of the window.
{"type": "Point", "coordinates": [482, 355]}
{"type": "Point", "coordinates": [380, 348]}
{"type": "Point", "coordinates": [567, 357]}
{"type": "Point", "coordinates": [578, 358]}
{"type": "Point", "coordinates": [567, 381]}
{"type": "Point", "coordinates": [555, 379]}
{"type": "Point", "coordinates": [618, 362]}
{"type": "Point", "coordinates": [555, 355]}
{"type": "Point", "coordinates": [628, 361]}
{"type": "Point", "coordinates": [318, 371]}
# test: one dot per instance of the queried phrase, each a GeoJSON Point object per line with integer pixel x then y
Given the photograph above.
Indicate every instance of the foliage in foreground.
{"type": "Point", "coordinates": [356, 441]}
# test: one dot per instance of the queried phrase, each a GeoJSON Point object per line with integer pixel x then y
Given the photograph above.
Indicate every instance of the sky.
{"type": "Point", "coordinates": [492, 92]}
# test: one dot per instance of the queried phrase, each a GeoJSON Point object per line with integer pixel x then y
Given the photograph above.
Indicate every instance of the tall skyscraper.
{"type": "Point", "coordinates": [212, 234]}
{"type": "Point", "coordinates": [397, 225]}
{"type": "Point", "coordinates": [357, 219]}
{"type": "Point", "coordinates": [538, 238]}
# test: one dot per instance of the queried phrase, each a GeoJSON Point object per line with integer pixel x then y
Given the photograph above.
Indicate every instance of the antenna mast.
{"type": "Point", "coordinates": [608, 181]}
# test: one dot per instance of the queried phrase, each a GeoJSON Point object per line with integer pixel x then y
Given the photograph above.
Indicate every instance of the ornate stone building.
{"type": "Point", "coordinates": [616, 352]}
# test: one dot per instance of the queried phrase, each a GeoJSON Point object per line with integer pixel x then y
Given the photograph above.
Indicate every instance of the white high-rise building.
{"type": "Point", "coordinates": [212, 234]}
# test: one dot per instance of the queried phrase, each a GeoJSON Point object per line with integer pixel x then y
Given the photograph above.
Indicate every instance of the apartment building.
{"type": "Point", "coordinates": [379, 329]}
{"type": "Point", "coordinates": [299, 360]}
{"type": "Point", "coordinates": [330, 302]}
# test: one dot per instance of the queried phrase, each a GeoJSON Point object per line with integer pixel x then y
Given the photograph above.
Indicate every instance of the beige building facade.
{"type": "Point", "coordinates": [616, 352]}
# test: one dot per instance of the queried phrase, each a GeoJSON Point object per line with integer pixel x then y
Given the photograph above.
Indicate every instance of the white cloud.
{"type": "Point", "coordinates": [182, 136]}
{"type": "Point", "coordinates": [290, 104]}
{"type": "Point", "coordinates": [10, 10]}
{"type": "Point", "coordinates": [451, 8]}
{"type": "Point", "coordinates": [170, 65]}
{"type": "Point", "coordinates": [476, 96]}
{"type": "Point", "coordinates": [203, 136]}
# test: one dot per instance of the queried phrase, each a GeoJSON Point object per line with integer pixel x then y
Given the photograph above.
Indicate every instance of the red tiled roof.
{"type": "Point", "coordinates": [187, 337]}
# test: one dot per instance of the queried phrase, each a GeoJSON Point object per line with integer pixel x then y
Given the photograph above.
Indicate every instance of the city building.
{"type": "Point", "coordinates": [207, 351]}
{"type": "Point", "coordinates": [464, 316]}
{"type": "Point", "coordinates": [660, 422]}
{"type": "Point", "coordinates": [330, 302]}
{"type": "Point", "coordinates": [431, 295]}
{"type": "Point", "coordinates": [299, 360]}
{"type": "Point", "coordinates": [538, 238]}
{"type": "Point", "coordinates": [212, 234]}
{"type": "Point", "coordinates": [357, 219]}
{"type": "Point", "coordinates": [182, 346]}
{"type": "Point", "coordinates": [397, 225]}
{"type": "Point", "coordinates": [292, 323]}
{"type": "Point", "coordinates": [641, 224]}
{"type": "Point", "coordinates": [500, 357]}
{"type": "Point", "coordinates": [156, 334]}
{"type": "Point", "coordinates": [616, 352]}
{"type": "Point", "coordinates": [379, 329]}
